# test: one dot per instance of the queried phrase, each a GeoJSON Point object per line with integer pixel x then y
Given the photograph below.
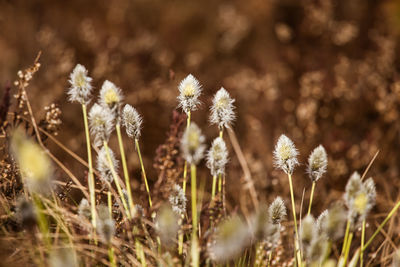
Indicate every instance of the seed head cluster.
{"type": "Point", "coordinates": [189, 92]}
{"type": "Point", "coordinates": [217, 157]}
{"type": "Point", "coordinates": [101, 122]}
{"type": "Point", "coordinates": [132, 121]}
{"type": "Point", "coordinates": [317, 163]}
{"type": "Point", "coordinates": [81, 88]}
{"type": "Point", "coordinates": [222, 113]}
{"type": "Point", "coordinates": [285, 155]}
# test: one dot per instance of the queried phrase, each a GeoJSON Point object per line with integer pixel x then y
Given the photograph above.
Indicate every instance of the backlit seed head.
{"type": "Point", "coordinates": [80, 90]}
{"type": "Point", "coordinates": [189, 92]}
{"type": "Point", "coordinates": [192, 144]}
{"type": "Point", "coordinates": [285, 155]}
{"type": "Point", "coordinates": [35, 166]}
{"type": "Point", "coordinates": [178, 200]}
{"type": "Point", "coordinates": [132, 121]}
{"type": "Point", "coordinates": [277, 211]}
{"type": "Point", "coordinates": [317, 163]}
{"type": "Point", "coordinates": [105, 224]}
{"type": "Point", "coordinates": [371, 191]}
{"type": "Point", "coordinates": [111, 97]}
{"type": "Point", "coordinates": [332, 225]}
{"type": "Point", "coordinates": [101, 122]}
{"type": "Point", "coordinates": [103, 165]}
{"type": "Point", "coordinates": [84, 209]}
{"type": "Point", "coordinates": [316, 252]}
{"type": "Point", "coordinates": [321, 219]}
{"type": "Point", "coordinates": [217, 157]}
{"type": "Point", "coordinates": [167, 224]}
{"type": "Point", "coordinates": [231, 238]}
{"type": "Point", "coordinates": [353, 187]}
{"type": "Point", "coordinates": [263, 229]}
{"type": "Point", "coordinates": [222, 113]}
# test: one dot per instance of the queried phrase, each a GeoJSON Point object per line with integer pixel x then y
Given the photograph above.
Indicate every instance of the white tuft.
{"type": "Point", "coordinates": [101, 122]}
{"type": "Point", "coordinates": [132, 121]}
{"type": "Point", "coordinates": [317, 163]}
{"type": "Point", "coordinates": [277, 211]}
{"type": "Point", "coordinates": [103, 165]}
{"type": "Point", "coordinates": [192, 144]}
{"type": "Point", "coordinates": [80, 90]}
{"type": "Point", "coordinates": [178, 200]}
{"type": "Point", "coordinates": [222, 108]}
{"type": "Point", "coordinates": [217, 157]}
{"type": "Point", "coordinates": [190, 90]}
{"type": "Point", "coordinates": [111, 97]}
{"type": "Point", "coordinates": [285, 155]}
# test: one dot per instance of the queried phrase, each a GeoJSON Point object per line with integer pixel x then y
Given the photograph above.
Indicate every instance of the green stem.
{"type": "Point", "coordinates": [185, 166]}
{"type": "Point", "coordinates": [109, 202]}
{"type": "Point", "coordinates": [140, 253]}
{"type": "Point", "coordinates": [91, 176]}
{"type": "Point", "coordinates": [195, 251]}
{"type": "Point", "coordinates": [143, 171]}
{"type": "Point", "coordinates": [194, 198]}
{"type": "Point", "coordinates": [345, 237]}
{"type": "Point", "coordinates": [362, 243]}
{"type": "Point", "coordinates": [346, 255]}
{"type": "Point", "coordinates": [311, 197]}
{"type": "Point", "coordinates": [293, 205]}
{"type": "Point", "coordinates": [214, 184]}
{"type": "Point", "coordinates": [392, 212]}
{"type": "Point", "coordinates": [125, 168]}
{"type": "Point", "coordinates": [42, 221]}
{"type": "Point", "coordinates": [116, 180]}
{"type": "Point", "coordinates": [111, 256]}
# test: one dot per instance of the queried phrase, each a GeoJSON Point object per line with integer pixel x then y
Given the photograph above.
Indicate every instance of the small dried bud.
{"type": "Point", "coordinates": [277, 211]}
{"type": "Point", "coordinates": [192, 144]}
{"type": "Point", "coordinates": [80, 90]}
{"type": "Point", "coordinates": [190, 90]}
{"type": "Point", "coordinates": [285, 155]}
{"type": "Point", "coordinates": [178, 200]}
{"type": "Point", "coordinates": [222, 112]}
{"type": "Point", "coordinates": [111, 97]}
{"type": "Point", "coordinates": [132, 121]}
{"type": "Point", "coordinates": [317, 163]}
{"type": "Point", "coordinates": [103, 165]}
{"type": "Point", "coordinates": [101, 122]}
{"type": "Point", "coordinates": [217, 157]}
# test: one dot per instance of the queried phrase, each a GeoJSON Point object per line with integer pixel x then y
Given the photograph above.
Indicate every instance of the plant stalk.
{"type": "Point", "coordinates": [143, 171]}
{"type": "Point", "coordinates": [311, 197]}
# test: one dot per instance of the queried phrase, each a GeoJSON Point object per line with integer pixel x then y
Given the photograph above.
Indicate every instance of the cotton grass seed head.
{"type": "Point", "coordinates": [316, 252]}
{"type": "Point", "coordinates": [189, 92]}
{"type": "Point", "coordinates": [192, 144]}
{"type": "Point", "coordinates": [307, 231]}
{"type": "Point", "coordinates": [103, 165]}
{"type": "Point", "coordinates": [167, 224]}
{"type": "Point", "coordinates": [353, 187]}
{"type": "Point", "coordinates": [84, 209]}
{"type": "Point", "coordinates": [263, 229]}
{"type": "Point", "coordinates": [132, 121]}
{"type": "Point", "coordinates": [35, 166]}
{"type": "Point", "coordinates": [231, 238]}
{"type": "Point", "coordinates": [320, 220]}
{"type": "Point", "coordinates": [277, 211]}
{"type": "Point", "coordinates": [111, 97]}
{"type": "Point", "coordinates": [317, 163]}
{"type": "Point", "coordinates": [80, 90]}
{"type": "Point", "coordinates": [371, 190]}
{"type": "Point", "coordinates": [332, 225]}
{"type": "Point", "coordinates": [178, 200]}
{"type": "Point", "coordinates": [217, 157]}
{"type": "Point", "coordinates": [222, 113]}
{"type": "Point", "coordinates": [101, 122]}
{"type": "Point", "coordinates": [285, 155]}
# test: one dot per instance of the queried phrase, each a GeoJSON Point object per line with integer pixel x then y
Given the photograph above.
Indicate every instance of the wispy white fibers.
{"type": "Point", "coordinates": [80, 90]}
{"type": "Point", "coordinates": [189, 92]}
{"type": "Point", "coordinates": [222, 113]}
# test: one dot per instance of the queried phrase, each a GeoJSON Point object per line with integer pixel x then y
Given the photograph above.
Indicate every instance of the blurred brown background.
{"type": "Point", "coordinates": [322, 72]}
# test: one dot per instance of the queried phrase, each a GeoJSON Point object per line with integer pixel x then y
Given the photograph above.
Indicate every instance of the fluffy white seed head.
{"type": "Point", "coordinates": [192, 144]}
{"type": "Point", "coordinates": [353, 187]}
{"type": "Point", "coordinates": [285, 155]}
{"type": "Point", "coordinates": [369, 185]}
{"type": "Point", "coordinates": [321, 218]}
{"type": "Point", "coordinates": [132, 121]}
{"type": "Point", "coordinates": [84, 209]}
{"type": "Point", "coordinates": [105, 224]}
{"type": "Point", "coordinates": [333, 223]}
{"type": "Point", "coordinates": [189, 92]}
{"type": "Point", "coordinates": [101, 122]}
{"type": "Point", "coordinates": [80, 90]}
{"type": "Point", "coordinates": [103, 165]}
{"type": "Point", "coordinates": [317, 163]}
{"type": "Point", "coordinates": [178, 200]}
{"type": "Point", "coordinates": [222, 113]}
{"type": "Point", "coordinates": [111, 97]}
{"type": "Point", "coordinates": [167, 224]}
{"type": "Point", "coordinates": [231, 238]}
{"type": "Point", "coordinates": [307, 231]}
{"type": "Point", "coordinates": [217, 157]}
{"type": "Point", "coordinates": [277, 211]}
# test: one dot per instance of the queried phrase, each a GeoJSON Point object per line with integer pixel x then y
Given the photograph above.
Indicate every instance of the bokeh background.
{"type": "Point", "coordinates": [320, 71]}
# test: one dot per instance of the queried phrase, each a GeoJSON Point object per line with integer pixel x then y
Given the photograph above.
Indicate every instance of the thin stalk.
{"type": "Point", "coordinates": [362, 243]}
{"type": "Point", "coordinates": [111, 256]}
{"type": "Point", "coordinates": [185, 166]}
{"type": "Point", "coordinates": [91, 176]}
{"type": "Point", "coordinates": [143, 171]}
{"type": "Point", "coordinates": [293, 205]}
{"type": "Point", "coordinates": [392, 212]}
{"type": "Point", "coordinates": [195, 251]}
{"type": "Point", "coordinates": [194, 198]}
{"type": "Point", "coordinates": [311, 197]}
{"type": "Point", "coordinates": [345, 237]}
{"type": "Point", "coordinates": [219, 183]}
{"type": "Point", "coordinates": [42, 221]}
{"type": "Point", "coordinates": [140, 253]}
{"type": "Point", "coordinates": [214, 184]}
{"type": "Point", "coordinates": [116, 180]}
{"type": "Point", "coordinates": [125, 168]}
{"type": "Point", "coordinates": [180, 238]}
{"type": "Point", "coordinates": [109, 202]}
{"type": "Point", "coordinates": [346, 255]}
